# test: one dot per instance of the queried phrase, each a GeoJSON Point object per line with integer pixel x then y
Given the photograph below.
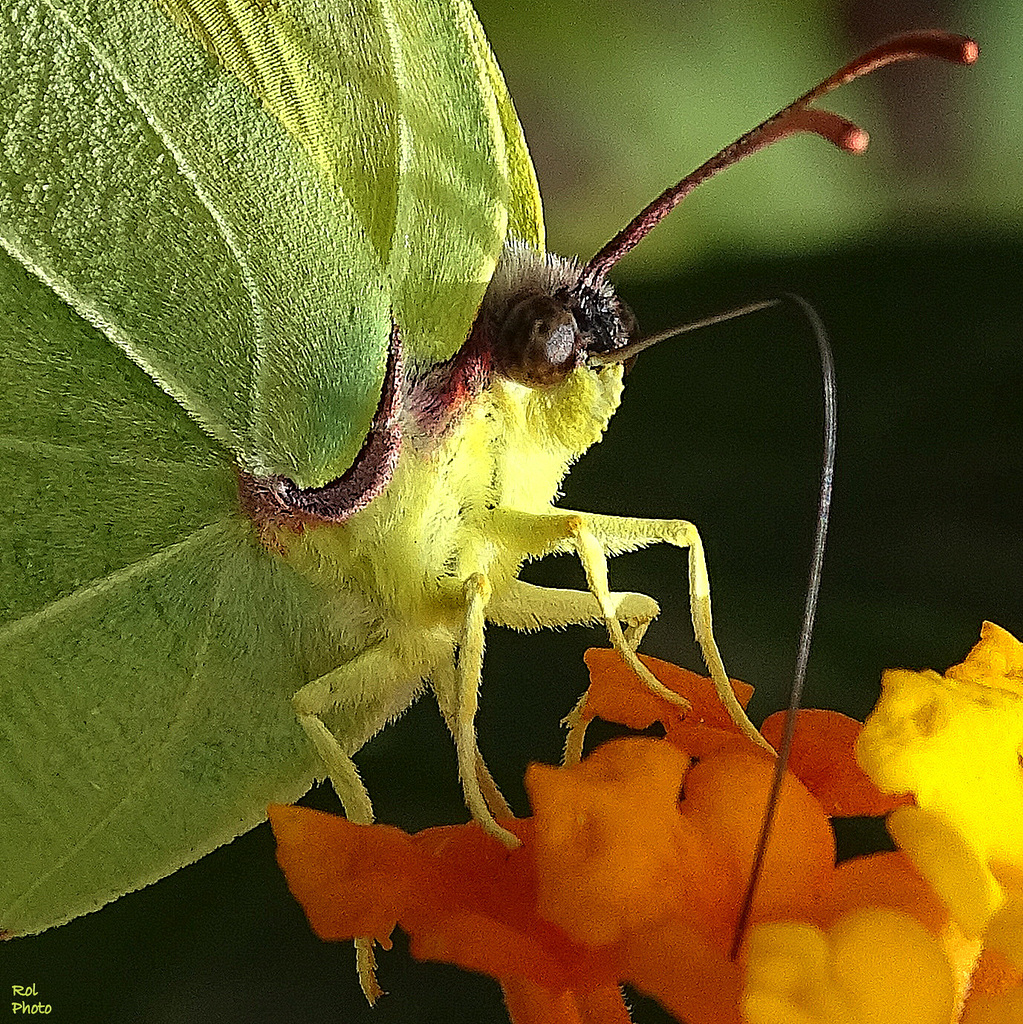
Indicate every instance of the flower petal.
{"type": "Point", "coordinates": [823, 759]}
{"type": "Point", "coordinates": [459, 894]}
{"type": "Point", "coordinates": [350, 879]}
{"type": "Point", "coordinates": [532, 1004]}
{"type": "Point", "coordinates": [612, 854]}
{"type": "Point", "coordinates": [996, 995]}
{"type": "Point", "coordinates": [889, 880]}
{"type": "Point", "coordinates": [874, 966]}
{"type": "Point", "coordinates": [996, 660]}
{"type": "Point", "coordinates": [950, 863]}
{"type": "Point", "coordinates": [955, 743]}
{"type": "Point", "coordinates": [617, 694]}
{"type": "Point", "coordinates": [686, 972]}
{"type": "Point", "coordinates": [726, 795]}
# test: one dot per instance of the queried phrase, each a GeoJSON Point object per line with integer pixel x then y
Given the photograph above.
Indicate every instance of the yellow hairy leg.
{"type": "Point", "coordinates": [526, 607]}
{"type": "Point", "coordinates": [592, 537]}
{"type": "Point", "coordinates": [447, 683]}
{"type": "Point", "coordinates": [456, 683]}
{"type": "Point", "coordinates": [521, 606]}
{"type": "Point", "coordinates": [344, 777]}
{"type": "Point", "coordinates": [459, 707]}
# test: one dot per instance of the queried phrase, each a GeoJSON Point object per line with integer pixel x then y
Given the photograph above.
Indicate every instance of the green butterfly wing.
{"type": "Point", "coordinates": [208, 212]}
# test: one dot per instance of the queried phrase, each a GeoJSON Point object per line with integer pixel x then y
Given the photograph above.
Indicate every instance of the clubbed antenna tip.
{"type": "Point", "coordinates": [798, 117]}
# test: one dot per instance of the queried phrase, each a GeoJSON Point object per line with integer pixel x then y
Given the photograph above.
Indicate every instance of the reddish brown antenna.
{"type": "Point", "coordinates": [794, 119]}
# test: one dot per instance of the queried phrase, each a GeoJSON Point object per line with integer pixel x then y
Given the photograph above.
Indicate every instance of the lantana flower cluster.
{"type": "Point", "coordinates": [634, 864]}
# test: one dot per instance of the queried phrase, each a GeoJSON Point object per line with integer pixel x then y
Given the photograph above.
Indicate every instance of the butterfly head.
{"type": "Point", "coordinates": [542, 321]}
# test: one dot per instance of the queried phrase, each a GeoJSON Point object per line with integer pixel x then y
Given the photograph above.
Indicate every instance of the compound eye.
{"type": "Point", "coordinates": [537, 344]}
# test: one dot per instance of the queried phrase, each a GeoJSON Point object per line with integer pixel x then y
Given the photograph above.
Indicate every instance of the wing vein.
{"type": "Point", "coordinates": [139, 779]}
{"type": "Point", "coordinates": [162, 375]}
{"type": "Point", "coordinates": [108, 583]}
{"type": "Point", "coordinates": [46, 449]}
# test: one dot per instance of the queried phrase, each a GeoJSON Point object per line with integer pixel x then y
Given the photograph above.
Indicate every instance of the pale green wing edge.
{"type": "Point", "coordinates": [467, 181]}
{"type": "Point", "coordinates": [525, 218]}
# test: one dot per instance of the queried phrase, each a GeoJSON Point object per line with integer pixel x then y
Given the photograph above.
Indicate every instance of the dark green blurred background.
{"type": "Point", "coordinates": [912, 256]}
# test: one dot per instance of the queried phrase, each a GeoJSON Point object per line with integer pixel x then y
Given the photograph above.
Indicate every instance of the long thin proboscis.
{"type": "Point", "coordinates": [813, 589]}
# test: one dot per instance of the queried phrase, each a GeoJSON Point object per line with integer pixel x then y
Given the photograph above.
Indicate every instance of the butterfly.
{"type": "Point", "coordinates": [290, 387]}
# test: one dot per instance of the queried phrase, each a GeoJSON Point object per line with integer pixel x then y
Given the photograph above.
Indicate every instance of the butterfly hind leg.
{"type": "Point", "coordinates": [344, 777]}
{"type": "Point", "coordinates": [318, 697]}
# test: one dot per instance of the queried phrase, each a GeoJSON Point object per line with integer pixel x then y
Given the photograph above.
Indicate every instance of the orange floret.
{"type": "Point", "coordinates": [617, 694]}
{"type": "Point", "coordinates": [800, 858]}
{"type": "Point", "coordinates": [350, 879]}
{"type": "Point", "coordinates": [637, 858]}
{"type": "Point", "coordinates": [460, 895]}
{"type": "Point", "coordinates": [823, 759]}
{"type": "Point", "coordinates": [612, 851]}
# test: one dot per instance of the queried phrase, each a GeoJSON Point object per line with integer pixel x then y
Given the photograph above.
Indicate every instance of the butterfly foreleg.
{"type": "Point", "coordinates": [592, 538]}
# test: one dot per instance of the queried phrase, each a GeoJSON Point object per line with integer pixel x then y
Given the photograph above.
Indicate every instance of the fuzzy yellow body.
{"type": "Point", "coordinates": [401, 566]}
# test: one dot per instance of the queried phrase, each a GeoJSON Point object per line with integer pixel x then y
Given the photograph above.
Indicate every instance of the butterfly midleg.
{"type": "Point", "coordinates": [456, 683]}
{"type": "Point", "coordinates": [526, 607]}
{"type": "Point", "coordinates": [593, 537]}
{"type": "Point", "coordinates": [445, 685]}
{"type": "Point", "coordinates": [458, 696]}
